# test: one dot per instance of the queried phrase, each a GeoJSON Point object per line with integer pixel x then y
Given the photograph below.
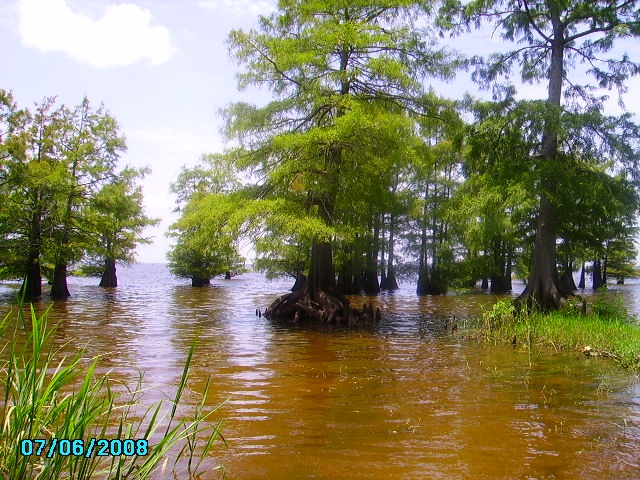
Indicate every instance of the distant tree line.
{"type": "Point", "coordinates": [64, 200]}
{"type": "Point", "coordinates": [354, 171]}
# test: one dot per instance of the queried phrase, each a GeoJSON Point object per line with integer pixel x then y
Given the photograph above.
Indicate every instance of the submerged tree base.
{"type": "Point", "coordinates": [299, 306]}
{"type": "Point", "coordinates": [542, 297]}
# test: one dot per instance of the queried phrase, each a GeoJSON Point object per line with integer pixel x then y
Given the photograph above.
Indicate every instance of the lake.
{"type": "Point", "coordinates": [407, 399]}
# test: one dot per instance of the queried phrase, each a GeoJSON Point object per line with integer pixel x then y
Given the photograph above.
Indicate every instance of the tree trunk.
{"type": "Point", "coordinates": [321, 274]}
{"type": "Point", "coordinates": [371, 283]}
{"type": "Point", "coordinates": [501, 276]}
{"type": "Point", "coordinates": [597, 278]}
{"type": "Point", "coordinates": [299, 283]}
{"type": "Point", "coordinates": [319, 301]}
{"type": "Point", "coordinates": [109, 278]}
{"type": "Point", "coordinates": [200, 281]}
{"type": "Point", "coordinates": [499, 284]}
{"type": "Point", "coordinates": [32, 284]}
{"type": "Point", "coordinates": [508, 272]}
{"type": "Point", "coordinates": [346, 282]}
{"type": "Point", "coordinates": [582, 282]}
{"type": "Point", "coordinates": [382, 264]}
{"type": "Point", "coordinates": [543, 290]}
{"type": "Point", "coordinates": [391, 283]}
{"type": "Point", "coordinates": [423, 275]}
{"type": "Point", "coordinates": [59, 288]}
{"type": "Point", "coordinates": [566, 279]}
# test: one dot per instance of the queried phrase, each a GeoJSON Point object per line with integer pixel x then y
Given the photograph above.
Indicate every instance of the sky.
{"type": "Point", "coordinates": [161, 68]}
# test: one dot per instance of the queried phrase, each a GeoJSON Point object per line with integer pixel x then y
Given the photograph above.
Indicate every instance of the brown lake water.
{"type": "Point", "coordinates": [407, 399]}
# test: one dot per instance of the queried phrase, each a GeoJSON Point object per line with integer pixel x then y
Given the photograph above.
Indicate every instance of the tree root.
{"type": "Point", "coordinates": [323, 309]}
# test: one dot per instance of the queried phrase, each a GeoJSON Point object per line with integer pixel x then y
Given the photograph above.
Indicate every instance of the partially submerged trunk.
{"type": "Point", "coordinates": [319, 300]}
{"type": "Point", "coordinates": [423, 275]}
{"type": "Point", "coordinates": [59, 288]}
{"type": "Point", "coordinates": [582, 282]}
{"type": "Point", "coordinates": [390, 282]}
{"type": "Point", "coordinates": [350, 275]}
{"type": "Point", "coordinates": [370, 277]}
{"type": "Point", "coordinates": [598, 279]}
{"type": "Point", "coordinates": [543, 290]}
{"type": "Point", "coordinates": [197, 281]}
{"type": "Point", "coordinates": [32, 284]}
{"type": "Point", "coordinates": [501, 276]}
{"type": "Point", "coordinates": [566, 279]}
{"type": "Point", "coordinates": [500, 284]}
{"type": "Point", "coordinates": [109, 278]}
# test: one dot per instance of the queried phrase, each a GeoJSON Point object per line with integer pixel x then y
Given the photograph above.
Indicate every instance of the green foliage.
{"type": "Point", "coordinates": [606, 332]}
{"type": "Point", "coordinates": [288, 256]}
{"type": "Point", "coordinates": [590, 29]}
{"type": "Point", "coordinates": [609, 306]}
{"type": "Point", "coordinates": [501, 313]}
{"type": "Point", "coordinates": [621, 256]}
{"type": "Point", "coordinates": [115, 220]}
{"type": "Point", "coordinates": [206, 241]}
{"type": "Point", "coordinates": [45, 396]}
{"type": "Point", "coordinates": [63, 200]}
{"type": "Point", "coordinates": [556, 137]}
{"type": "Point", "coordinates": [323, 154]}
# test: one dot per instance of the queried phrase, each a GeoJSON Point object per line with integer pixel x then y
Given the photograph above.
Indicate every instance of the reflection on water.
{"type": "Point", "coordinates": [405, 400]}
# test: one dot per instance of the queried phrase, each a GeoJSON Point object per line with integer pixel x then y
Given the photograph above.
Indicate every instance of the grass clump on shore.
{"type": "Point", "coordinates": [46, 396]}
{"type": "Point", "coordinates": [607, 330]}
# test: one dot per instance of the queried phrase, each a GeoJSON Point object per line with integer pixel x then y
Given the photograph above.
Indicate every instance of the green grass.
{"type": "Point", "coordinates": [606, 330]}
{"type": "Point", "coordinates": [46, 395]}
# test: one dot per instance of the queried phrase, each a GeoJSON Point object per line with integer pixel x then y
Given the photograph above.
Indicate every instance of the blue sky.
{"type": "Point", "coordinates": [162, 68]}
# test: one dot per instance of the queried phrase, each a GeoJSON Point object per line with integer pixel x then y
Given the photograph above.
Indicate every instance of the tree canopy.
{"type": "Point", "coordinates": [353, 167]}
{"type": "Point", "coordinates": [61, 193]}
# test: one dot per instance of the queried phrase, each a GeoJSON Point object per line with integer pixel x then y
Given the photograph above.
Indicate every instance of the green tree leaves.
{"type": "Point", "coordinates": [61, 192]}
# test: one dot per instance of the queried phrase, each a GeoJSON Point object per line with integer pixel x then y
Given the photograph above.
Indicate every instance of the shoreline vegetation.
{"type": "Point", "coordinates": [606, 330]}
{"type": "Point", "coordinates": [46, 396]}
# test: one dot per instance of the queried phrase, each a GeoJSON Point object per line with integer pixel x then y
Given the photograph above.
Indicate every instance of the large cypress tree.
{"type": "Point", "coordinates": [343, 77]}
{"type": "Point", "coordinates": [554, 38]}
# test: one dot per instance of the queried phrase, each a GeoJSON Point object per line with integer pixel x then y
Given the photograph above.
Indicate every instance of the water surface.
{"type": "Point", "coordinates": [409, 399]}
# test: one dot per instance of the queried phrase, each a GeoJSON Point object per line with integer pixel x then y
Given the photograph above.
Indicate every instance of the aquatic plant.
{"type": "Point", "coordinates": [607, 331]}
{"type": "Point", "coordinates": [58, 415]}
{"type": "Point", "coordinates": [609, 306]}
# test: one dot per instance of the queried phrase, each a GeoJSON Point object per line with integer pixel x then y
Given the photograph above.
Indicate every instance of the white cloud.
{"type": "Point", "coordinates": [123, 36]}
{"type": "Point", "coordinates": [250, 8]}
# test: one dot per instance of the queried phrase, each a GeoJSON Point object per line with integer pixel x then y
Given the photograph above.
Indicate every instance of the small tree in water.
{"type": "Point", "coordinates": [115, 222]}
{"type": "Point", "coordinates": [204, 245]}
